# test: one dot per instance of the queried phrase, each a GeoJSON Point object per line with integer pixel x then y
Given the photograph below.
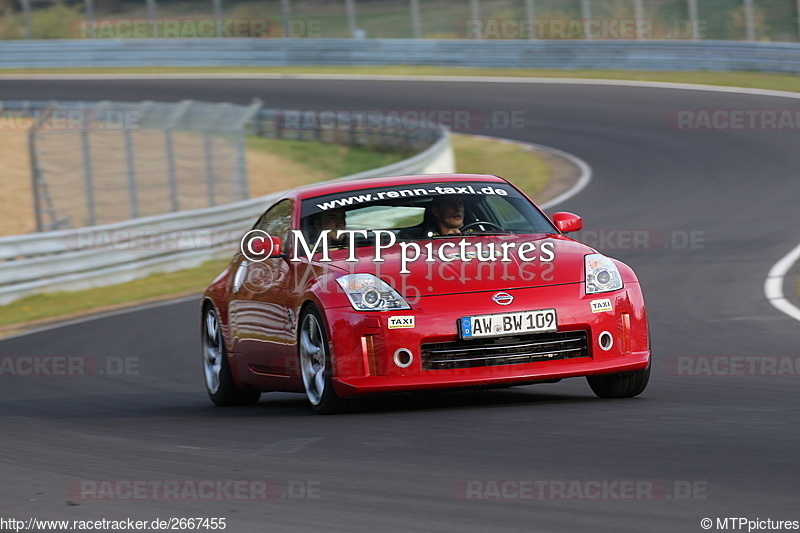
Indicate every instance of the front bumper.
{"type": "Point", "coordinates": [363, 345]}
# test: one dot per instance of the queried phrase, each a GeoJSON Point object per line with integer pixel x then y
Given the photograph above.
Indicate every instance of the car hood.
{"type": "Point", "coordinates": [524, 267]}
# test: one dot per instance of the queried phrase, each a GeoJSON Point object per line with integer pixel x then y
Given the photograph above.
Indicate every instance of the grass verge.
{"type": "Point", "coordinates": [41, 308]}
{"type": "Point", "coordinates": [325, 161]}
{"type": "Point", "coordinates": [473, 155]}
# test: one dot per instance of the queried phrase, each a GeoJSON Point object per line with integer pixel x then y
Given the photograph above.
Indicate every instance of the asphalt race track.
{"type": "Point", "coordinates": [696, 446]}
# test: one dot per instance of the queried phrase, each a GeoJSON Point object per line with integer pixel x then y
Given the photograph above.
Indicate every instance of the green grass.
{"type": "Point", "coordinates": [333, 160]}
{"type": "Point", "coordinates": [510, 161]}
{"type": "Point", "coordinates": [155, 287]}
{"type": "Point", "coordinates": [472, 155]}
{"type": "Point", "coordinates": [775, 20]}
{"type": "Point", "coordinates": [759, 80]}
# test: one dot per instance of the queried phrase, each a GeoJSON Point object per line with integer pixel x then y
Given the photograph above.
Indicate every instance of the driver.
{"type": "Point", "coordinates": [334, 220]}
{"type": "Point", "coordinates": [448, 214]}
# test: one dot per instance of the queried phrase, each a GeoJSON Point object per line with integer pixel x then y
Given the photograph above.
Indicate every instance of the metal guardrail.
{"type": "Point", "coordinates": [102, 255]}
{"type": "Point", "coordinates": [103, 162]}
{"type": "Point", "coordinates": [519, 53]}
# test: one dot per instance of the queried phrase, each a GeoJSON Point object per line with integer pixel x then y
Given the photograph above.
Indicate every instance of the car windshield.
{"type": "Point", "coordinates": [425, 211]}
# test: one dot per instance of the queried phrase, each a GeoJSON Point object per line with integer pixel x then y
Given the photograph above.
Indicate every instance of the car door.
{"type": "Point", "coordinates": [264, 299]}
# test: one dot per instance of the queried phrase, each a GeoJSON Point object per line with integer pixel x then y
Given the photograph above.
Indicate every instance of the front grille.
{"type": "Point", "coordinates": [504, 350]}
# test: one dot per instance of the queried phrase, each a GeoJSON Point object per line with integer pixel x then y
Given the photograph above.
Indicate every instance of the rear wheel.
{"type": "Point", "coordinates": [315, 363]}
{"type": "Point", "coordinates": [619, 385]}
{"type": "Point", "coordinates": [219, 382]}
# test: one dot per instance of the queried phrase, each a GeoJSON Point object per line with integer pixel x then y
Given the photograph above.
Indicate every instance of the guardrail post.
{"type": "Point", "coordinates": [638, 14]}
{"type": "Point", "coordinates": [209, 158]}
{"type": "Point", "coordinates": [350, 7]}
{"type": "Point", "coordinates": [171, 123]}
{"type": "Point", "coordinates": [217, 5]}
{"type": "Point", "coordinates": [151, 9]}
{"type": "Point", "coordinates": [88, 176]}
{"type": "Point", "coordinates": [286, 17]}
{"type": "Point", "coordinates": [249, 121]}
{"type": "Point", "coordinates": [36, 177]}
{"type": "Point", "coordinates": [749, 20]}
{"type": "Point", "coordinates": [530, 14]}
{"type": "Point", "coordinates": [131, 168]}
{"type": "Point", "coordinates": [241, 189]}
{"type": "Point", "coordinates": [223, 110]}
{"type": "Point", "coordinates": [694, 19]}
{"type": "Point", "coordinates": [26, 17]}
{"type": "Point", "coordinates": [475, 14]}
{"type": "Point", "coordinates": [586, 14]}
{"type": "Point", "coordinates": [173, 182]}
{"type": "Point", "coordinates": [416, 24]}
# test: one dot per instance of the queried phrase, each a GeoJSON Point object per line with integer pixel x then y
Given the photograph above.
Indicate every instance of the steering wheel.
{"type": "Point", "coordinates": [479, 222]}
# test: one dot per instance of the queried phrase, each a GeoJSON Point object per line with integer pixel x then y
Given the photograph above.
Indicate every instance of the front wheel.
{"type": "Point", "coordinates": [217, 372]}
{"type": "Point", "coordinates": [315, 363]}
{"type": "Point", "coordinates": [619, 385]}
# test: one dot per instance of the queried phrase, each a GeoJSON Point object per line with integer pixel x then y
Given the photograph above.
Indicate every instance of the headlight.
{"type": "Point", "coordinates": [369, 293]}
{"type": "Point", "coordinates": [602, 274]}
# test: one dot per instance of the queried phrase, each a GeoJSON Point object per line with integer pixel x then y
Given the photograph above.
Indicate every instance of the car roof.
{"type": "Point", "coordinates": [334, 187]}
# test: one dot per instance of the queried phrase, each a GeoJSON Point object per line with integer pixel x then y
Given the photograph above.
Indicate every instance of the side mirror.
{"type": "Point", "coordinates": [567, 222]}
{"type": "Point", "coordinates": [277, 246]}
{"type": "Point", "coordinates": [271, 247]}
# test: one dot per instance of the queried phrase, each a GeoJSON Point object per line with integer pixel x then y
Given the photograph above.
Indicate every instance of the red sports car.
{"type": "Point", "coordinates": [356, 288]}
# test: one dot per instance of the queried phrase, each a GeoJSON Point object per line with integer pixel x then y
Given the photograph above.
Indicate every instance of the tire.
{"type": "Point", "coordinates": [217, 372]}
{"type": "Point", "coordinates": [619, 385]}
{"type": "Point", "coordinates": [315, 364]}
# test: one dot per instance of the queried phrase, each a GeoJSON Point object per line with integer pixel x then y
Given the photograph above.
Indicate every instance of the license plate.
{"type": "Point", "coordinates": [540, 321]}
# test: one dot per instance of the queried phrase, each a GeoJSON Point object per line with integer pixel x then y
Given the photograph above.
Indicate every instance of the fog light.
{"type": "Point", "coordinates": [403, 358]}
{"type": "Point", "coordinates": [605, 340]}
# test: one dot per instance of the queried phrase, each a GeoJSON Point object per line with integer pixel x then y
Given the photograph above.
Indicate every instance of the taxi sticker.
{"type": "Point", "coordinates": [401, 322]}
{"type": "Point", "coordinates": [598, 306]}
